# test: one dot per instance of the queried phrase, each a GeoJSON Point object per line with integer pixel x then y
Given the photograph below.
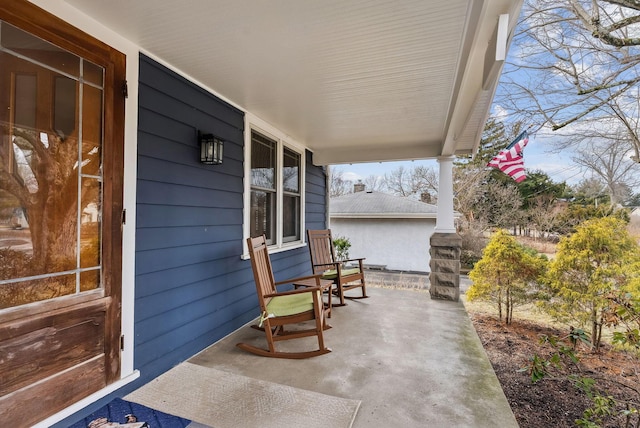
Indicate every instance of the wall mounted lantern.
{"type": "Point", "coordinates": [210, 149]}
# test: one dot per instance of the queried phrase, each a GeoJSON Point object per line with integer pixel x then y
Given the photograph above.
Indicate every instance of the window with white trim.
{"type": "Point", "coordinates": [276, 189]}
{"type": "Point", "coordinates": [290, 195]}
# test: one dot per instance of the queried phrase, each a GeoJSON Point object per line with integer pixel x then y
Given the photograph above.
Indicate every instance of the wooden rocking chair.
{"type": "Point", "coordinates": [323, 261]}
{"type": "Point", "coordinates": [279, 309]}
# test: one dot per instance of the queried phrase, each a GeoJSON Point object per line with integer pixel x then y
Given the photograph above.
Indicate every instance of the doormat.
{"type": "Point", "coordinates": [125, 414]}
{"type": "Point", "coordinates": [226, 400]}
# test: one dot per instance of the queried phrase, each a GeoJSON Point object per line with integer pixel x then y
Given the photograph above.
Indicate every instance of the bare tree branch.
{"type": "Point", "coordinates": [609, 162]}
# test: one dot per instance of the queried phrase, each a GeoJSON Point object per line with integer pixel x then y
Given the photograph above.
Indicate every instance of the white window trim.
{"type": "Point", "coordinates": [253, 123]}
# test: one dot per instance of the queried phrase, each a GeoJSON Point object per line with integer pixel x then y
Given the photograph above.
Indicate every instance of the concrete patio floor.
{"type": "Point", "coordinates": [412, 361]}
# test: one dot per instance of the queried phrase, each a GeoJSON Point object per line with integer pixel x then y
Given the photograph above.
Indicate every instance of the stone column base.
{"type": "Point", "coordinates": [445, 266]}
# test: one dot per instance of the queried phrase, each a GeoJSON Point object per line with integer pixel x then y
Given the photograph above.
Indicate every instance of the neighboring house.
{"type": "Point", "coordinates": [392, 232]}
{"type": "Point", "coordinates": [139, 248]}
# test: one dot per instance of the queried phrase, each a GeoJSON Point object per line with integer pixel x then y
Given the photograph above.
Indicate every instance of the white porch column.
{"type": "Point", "coordinates": [445, 243]}
{"type": "Point", "coordinates": [444, 220]}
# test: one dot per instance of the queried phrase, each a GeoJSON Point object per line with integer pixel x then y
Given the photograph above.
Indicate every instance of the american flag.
{"type": "Point", "coordinates": [510, 160]}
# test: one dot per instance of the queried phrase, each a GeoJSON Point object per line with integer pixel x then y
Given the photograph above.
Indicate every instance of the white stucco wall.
{"type": "Point", "coordinates": [400, 244]}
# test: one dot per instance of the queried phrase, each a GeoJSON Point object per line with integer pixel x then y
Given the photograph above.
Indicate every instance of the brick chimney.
{"type": "Point", "coordinates": [358, 187]}
{"type": "Point", "coordinates": [425, 197]}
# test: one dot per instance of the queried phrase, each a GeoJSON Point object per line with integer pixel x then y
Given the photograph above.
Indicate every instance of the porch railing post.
{"type": "Point", "coordinates": [445, 243]}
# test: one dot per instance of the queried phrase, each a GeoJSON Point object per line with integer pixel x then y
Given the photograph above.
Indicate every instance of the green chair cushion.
{"type": "Point", "coordinates": [291, 304]}
{"type": "Point", "coordinates": [333, 273]}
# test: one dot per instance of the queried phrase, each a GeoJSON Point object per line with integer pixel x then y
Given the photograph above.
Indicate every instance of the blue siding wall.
{"type": "Point", "coordinates": [315, 195]}
{"type": "Point", "coordinates": [192, 287]}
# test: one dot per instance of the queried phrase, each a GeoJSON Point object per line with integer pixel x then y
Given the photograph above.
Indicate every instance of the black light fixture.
{"type": "Point", "coordinates": [210, 149]}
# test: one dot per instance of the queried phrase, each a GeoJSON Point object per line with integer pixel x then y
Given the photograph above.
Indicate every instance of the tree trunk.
{"type": "Point", "coordinates": [50, 199]}
{"type": "Point", "coordinates": [598, 339]}
{"type": "Point", "coordinates": [594, 328]}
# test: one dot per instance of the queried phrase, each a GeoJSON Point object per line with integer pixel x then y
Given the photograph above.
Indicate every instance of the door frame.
{"type": "Point", "coordinates": [108, 300]}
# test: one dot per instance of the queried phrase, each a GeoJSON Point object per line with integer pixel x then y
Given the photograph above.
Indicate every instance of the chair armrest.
{"type": "Point", "coordinates": [292, 280]}
{"type": "Point", "coordinates": [327, 264]}
{"type": "Point", "coordinates": [295, 291]}
{"type": "Point", "coordinates": [355, 260]}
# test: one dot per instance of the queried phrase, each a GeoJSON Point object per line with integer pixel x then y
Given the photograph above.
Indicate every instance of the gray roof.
{"type": "Point", "coordinates": [376, 205]}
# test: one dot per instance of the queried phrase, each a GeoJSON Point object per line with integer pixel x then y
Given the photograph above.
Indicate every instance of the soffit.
{"type": "Point", "coordinates": [352, 80]}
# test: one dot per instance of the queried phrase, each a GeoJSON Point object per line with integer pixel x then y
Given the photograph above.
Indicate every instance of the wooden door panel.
{"type": "Point", "coordinates": [38, 347]}
{"type": "Point", "coordinates": [27, 406]}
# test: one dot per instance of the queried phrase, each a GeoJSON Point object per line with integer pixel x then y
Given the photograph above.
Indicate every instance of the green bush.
{"type": "Point", "coordinates": [597, 261]}
{"type": "Point", "coordinates": [507, 275]}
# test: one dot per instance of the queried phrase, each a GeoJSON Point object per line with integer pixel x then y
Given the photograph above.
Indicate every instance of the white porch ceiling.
{"type": "Point", "coordinates": [353, 80]}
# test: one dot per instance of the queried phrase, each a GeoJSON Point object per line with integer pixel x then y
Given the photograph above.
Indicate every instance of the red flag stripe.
{"type": "Point", "coordinates": [510, 160]}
